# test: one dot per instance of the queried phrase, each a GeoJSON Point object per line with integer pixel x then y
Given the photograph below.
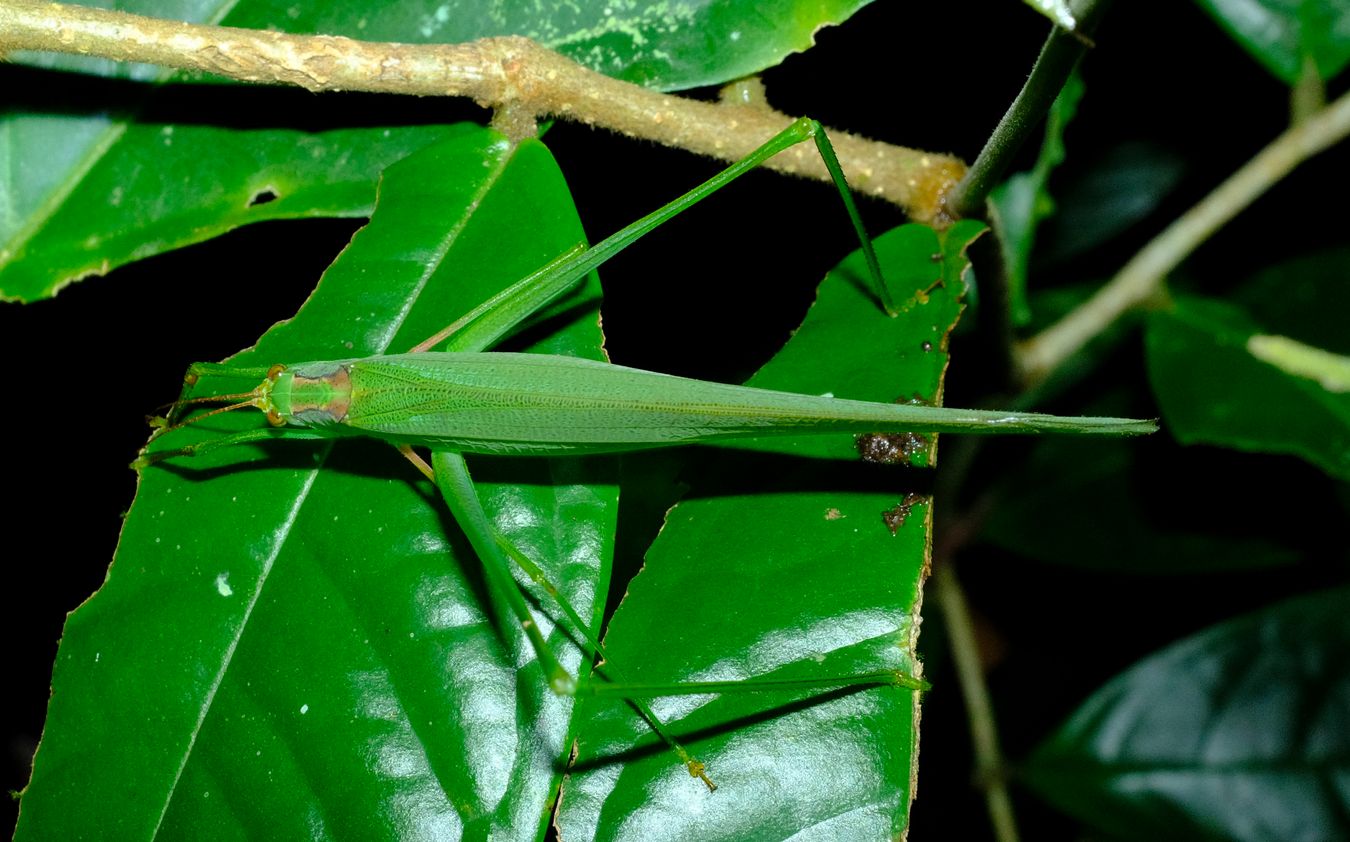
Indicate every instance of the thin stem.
{"type": "Point", "coordinates": [958, 461]}
{"type": "Point", "coordinates": [979, 709]}
{"type": "Point", "coordinates": [1057, 60]}
{"type": "Point", "coordinates": [1309, 93]}
{"type": "Point", "coordinates": [1141, 278]}
{"type": "Point", "coordinates": [503, 73]}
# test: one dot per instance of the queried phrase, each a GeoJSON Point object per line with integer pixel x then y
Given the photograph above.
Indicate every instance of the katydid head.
{"type": "Point", "coordinates": [259, 397]}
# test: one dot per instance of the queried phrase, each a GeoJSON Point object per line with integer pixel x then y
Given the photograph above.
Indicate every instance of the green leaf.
{"type": "Point", "coordinates": [1281, 34]}
{"type": "Point", "coordinates": [159, 186]}
{"type": "Point", "coordinates": [1213, 390]}
{"type": "Point", "coordinates": [785, 568]}
{"type": "Point", "coordinates": [1022, 202]}
{"type": "Point", "coordinates": [1240, 732]}
{"type": "Point", "coordinates": [293, 640]}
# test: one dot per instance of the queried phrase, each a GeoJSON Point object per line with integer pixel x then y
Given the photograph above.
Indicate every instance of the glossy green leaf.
{"type": "Point", "coordinates": [1022, 202]}
{"type": "Point", "coordinates": [785, 568]}
{"type": "Point", "coordinates": [294, 640]}
{"type": "Point", "coordinates": [1241, 732]}
{"type": "Point", "coordinates": [92, 191]}
{"type": "Point", "coordinates": [1281, 34]}
{"type": "Point", "coordinates": [1213, 390]}
{"type": "Point", "coordinates": [161, 186]}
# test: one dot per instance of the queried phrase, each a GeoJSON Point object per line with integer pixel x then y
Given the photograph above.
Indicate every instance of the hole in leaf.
{"type": "Point", "coordinates": [262, 197]}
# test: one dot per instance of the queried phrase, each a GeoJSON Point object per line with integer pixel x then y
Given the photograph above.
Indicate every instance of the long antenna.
{"type": "Point", "coordinates": [244, 399]}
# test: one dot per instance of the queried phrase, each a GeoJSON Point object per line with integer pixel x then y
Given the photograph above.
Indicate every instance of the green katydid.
{"type": "Point", "coordinates": [469, 400]}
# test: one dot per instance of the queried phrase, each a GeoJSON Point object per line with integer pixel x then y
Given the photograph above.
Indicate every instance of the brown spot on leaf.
{"type": "Point", "coordinates": [833, 514]}
{"type": "Point", "coordinates": [890, 448]}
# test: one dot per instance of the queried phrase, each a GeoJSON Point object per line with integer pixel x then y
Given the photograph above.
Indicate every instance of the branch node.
{"type": "Point", "coordinates": [514, 120]}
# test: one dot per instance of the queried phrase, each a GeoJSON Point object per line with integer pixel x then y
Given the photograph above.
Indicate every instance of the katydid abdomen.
{"type": "Point", "coordinates": [537, 404]}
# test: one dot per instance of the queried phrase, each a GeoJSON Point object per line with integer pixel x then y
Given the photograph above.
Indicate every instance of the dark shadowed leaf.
{"type": "Point", "coordinates": [1281, 34]}
{"type": "Point", "coordinates": [1241, 732]}
{"type": "Point", "coordinates": [1123, 185]}
{"type": "Point", "coordinates": [1088, 504]}
{"type": "Point", "coordinates": [1213, 388]}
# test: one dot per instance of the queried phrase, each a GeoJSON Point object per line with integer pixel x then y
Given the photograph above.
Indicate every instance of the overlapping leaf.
{"type": "Point", "coordinates": [1123, 185]}
{"type": "Point", "coordinates": [294, 640]}
{"type": "Point", "coordinates": [787, 568]}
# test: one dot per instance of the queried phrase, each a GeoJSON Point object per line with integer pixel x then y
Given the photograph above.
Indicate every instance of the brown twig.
{"type": "Point", "coordinates": [504, 72]}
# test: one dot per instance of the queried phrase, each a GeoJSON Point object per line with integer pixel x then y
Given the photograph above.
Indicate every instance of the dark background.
{"type": "Point", "coordinates": [711, 295]}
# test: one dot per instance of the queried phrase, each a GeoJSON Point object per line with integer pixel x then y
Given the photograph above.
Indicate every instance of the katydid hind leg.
{"type": "Point", "coordinates": [608, 669]}
{"type": "Point", "coordinates": [452, 477]}
{"type": "Point", "coordinates": [456, 486]}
